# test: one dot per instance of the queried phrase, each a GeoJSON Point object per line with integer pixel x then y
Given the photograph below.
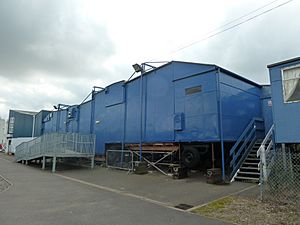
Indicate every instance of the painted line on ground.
{"type": "Point", "coordinates": [7, 181]}
{"type": "Point", "coordinates": [116, 191]}
{"type": "Point", "coordinates": [234, 193]}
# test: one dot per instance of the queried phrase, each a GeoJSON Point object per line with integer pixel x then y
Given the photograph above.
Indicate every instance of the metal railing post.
{"type": "Point", "coordinates": [54, 164]}
{"type": "Point", "coordinates": [263, 162]}
{"type": "Point", "coordinates": [44, 163]}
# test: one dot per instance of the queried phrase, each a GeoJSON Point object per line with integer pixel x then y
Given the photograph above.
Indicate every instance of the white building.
{"type": "Point", "coordinates": [2, 132]}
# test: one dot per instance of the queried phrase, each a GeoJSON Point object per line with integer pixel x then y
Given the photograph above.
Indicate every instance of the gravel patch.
{"type": "Point", "coordinates": [245, 210]}
{"type": "Point", "coordinates": [4, 185]}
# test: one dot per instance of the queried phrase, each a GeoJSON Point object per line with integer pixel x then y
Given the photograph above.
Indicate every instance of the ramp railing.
{"type": "Point", "coordinates": [57, 145]}
{"type": "Point", "coordinates": [244, 144]}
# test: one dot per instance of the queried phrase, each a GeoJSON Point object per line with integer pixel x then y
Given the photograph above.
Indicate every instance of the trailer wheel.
{"type": "Point", "coordinates": [191, 157]}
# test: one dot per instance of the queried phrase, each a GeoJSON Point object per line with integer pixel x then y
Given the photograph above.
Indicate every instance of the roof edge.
{"type": "Point", "coordinates": [283, 62]}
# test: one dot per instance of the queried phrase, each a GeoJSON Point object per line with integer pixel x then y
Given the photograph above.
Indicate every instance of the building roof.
{"type": "Point", "coordinates": [205, 64]}
{"type": "Point", "coordinates": [26, 112]}
{"type": "Point", "coordinates": [284, 62]}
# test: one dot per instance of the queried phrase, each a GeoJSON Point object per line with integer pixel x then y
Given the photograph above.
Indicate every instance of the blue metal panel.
{"type": "Point", "coordinates": [240, 104]}
{"type": "Point", "coordinates": [53, 122]}
{"type": "Point", "coordinates": [114, 94]}
{"type": "Point", "coordinates": [158, 106]}
{"type": "Point", "coordinates": [133, 112]}
{"type": "Point", "coordinates": [199, 109]}
{"type": "Point", "coordinates": [85, 117]}
{"type": "Point", "coordinates": [62, 120]}
{"type": "Point", "coordinates": [99, 122]}
{"type": "Point", "coordinates": [72, 119]}
{"type": "Point", "coordinates": [184, 69]}
{"type": "Point", "coordinates": [286, 115]}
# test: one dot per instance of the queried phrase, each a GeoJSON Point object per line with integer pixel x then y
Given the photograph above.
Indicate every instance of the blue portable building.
{"type": "Point", "coordinates": [20, 123]}
{"type": "Point", "coordinates": [285, 83]}
{"type": "Point", "coordinates": [179, 102]}
{"type": "Point", "coordinates": [190, 104]}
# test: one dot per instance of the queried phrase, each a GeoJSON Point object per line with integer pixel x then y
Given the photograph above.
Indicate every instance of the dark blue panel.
{"type": "Point", "coordinates": [23, 123]}
{"type": "Point", "coordinates": [266, 102]}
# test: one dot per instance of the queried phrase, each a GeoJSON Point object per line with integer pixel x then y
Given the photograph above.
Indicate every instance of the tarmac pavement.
{"type": "Point", "coordinates": [39, 197]}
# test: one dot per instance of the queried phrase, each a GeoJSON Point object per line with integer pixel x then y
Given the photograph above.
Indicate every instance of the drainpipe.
{"type": "Point", "coordinates": [92, 122]}
{"type": "Point", "coordinates": [124, 115]}
{"type": "Point", "coordinates": [221, 124]}
{"type": "Point", "coordinates": [124, 122]}
{"type": "Point", "coordinates": [58, 119]}
{"type": "Point", "coordinates": [141, 111]}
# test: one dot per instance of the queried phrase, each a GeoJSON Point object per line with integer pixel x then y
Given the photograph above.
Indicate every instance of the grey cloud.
{"type": "Point", "coordinates": [249, 48]}
{"type": "Point", "coordinates": [50, 37]}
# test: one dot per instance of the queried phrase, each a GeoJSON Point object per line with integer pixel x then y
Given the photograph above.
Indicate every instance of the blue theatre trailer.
{"type": "Point", "coordinates": [285, 83]}
{"type": "Point", "coordinates": [200, 108]}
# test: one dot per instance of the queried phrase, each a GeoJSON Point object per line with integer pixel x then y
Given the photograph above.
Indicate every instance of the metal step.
{"type": "Point", "coordinates": [252, 155]}
{"type": "Point", "coordinates": [248, 163]}
{"type": "Point", "coordinates": [252, 159]}
{"type": "Point", "coordinates": [247, 178]}
{"type": "Point", "coordinates": [250, 173]}
{"type": "Point", "coordinates": [249, 168]}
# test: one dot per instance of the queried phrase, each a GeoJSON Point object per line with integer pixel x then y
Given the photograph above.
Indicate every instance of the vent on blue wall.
{"type": "Point", "coordinates": [72, 114]}
{"type": "Point", "coordinates": [193, 90]}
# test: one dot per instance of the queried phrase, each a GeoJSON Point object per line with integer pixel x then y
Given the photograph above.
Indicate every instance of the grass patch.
{"type": "Point", "coordinates": [218, 205]}
{"type": "Point", "coordinates": [244, 211]}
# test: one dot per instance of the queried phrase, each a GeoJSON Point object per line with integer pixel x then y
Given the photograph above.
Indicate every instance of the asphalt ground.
{"type": "Point", "coordinates": [78, 195]}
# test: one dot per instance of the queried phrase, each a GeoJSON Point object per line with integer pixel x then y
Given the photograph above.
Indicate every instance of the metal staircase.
{"type": "Point", "coordinates": [244, 149]}
{"type": "Point", "coordinates": [249, 171]}
{"type": "Point", "coordinates": [252, 165]}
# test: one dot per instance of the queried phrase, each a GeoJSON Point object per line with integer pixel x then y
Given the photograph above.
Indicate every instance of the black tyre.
{"type": "Point", "coordinates": [191, 157]}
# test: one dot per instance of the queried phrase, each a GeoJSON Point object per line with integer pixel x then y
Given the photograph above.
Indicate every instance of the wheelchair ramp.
{"type": "Point", "coordinates": [57, 145]}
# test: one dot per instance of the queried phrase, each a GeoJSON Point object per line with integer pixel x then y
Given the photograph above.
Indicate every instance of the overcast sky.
{"type": "Point", "coordinates": [55, 51]}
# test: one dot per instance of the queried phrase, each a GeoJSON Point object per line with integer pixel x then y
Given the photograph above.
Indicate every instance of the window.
{"type": "Point", "coordinates": [193, 90]}
{"type": "Point", "coordinates": [291, 84]}
{"type": "Point", "coordinates": [11, 125]}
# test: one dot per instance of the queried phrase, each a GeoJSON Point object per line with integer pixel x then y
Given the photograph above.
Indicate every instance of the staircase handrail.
{"type": "Point", "coordinates": [262, 151]}
{"type": "Point", "coordinates": [249, 131]}
{"type": "Point", "coordinates": [246, 130]}
{"type": "Point", "coordinates": [268, 136]}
